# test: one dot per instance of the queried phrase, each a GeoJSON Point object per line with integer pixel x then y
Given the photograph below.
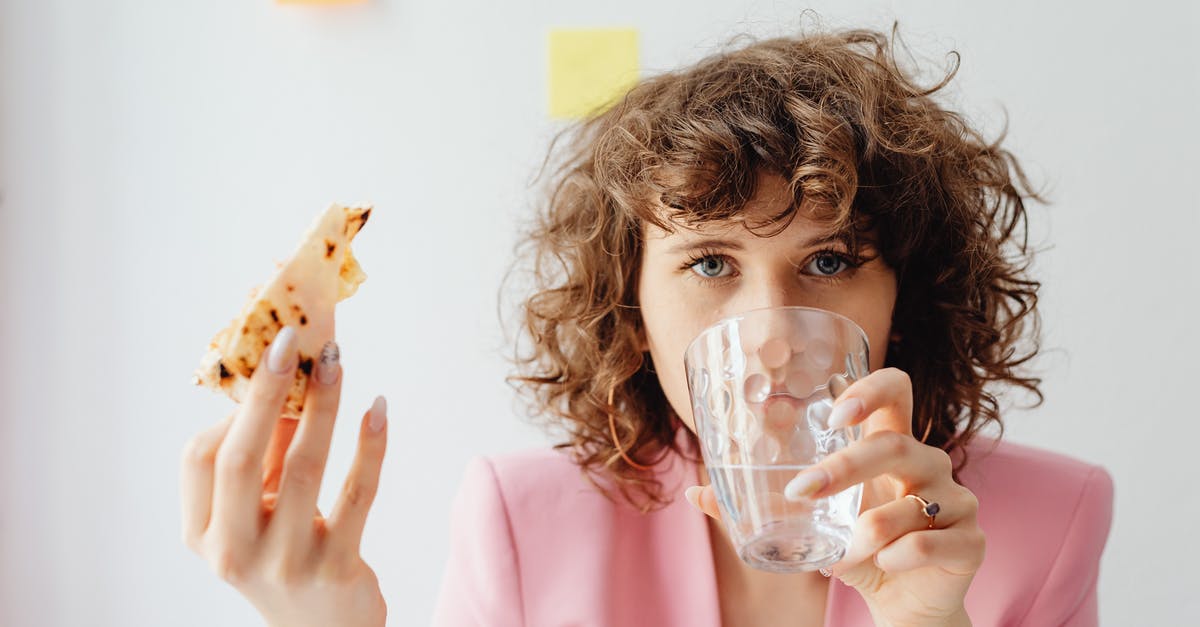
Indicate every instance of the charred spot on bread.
{"type": "Point", "coordinates": [302, 293]}
{"type": "Point", "coordinates": [355, 224]}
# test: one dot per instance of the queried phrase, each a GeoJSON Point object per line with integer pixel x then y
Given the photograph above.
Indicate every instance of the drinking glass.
{"type": "Point", "coordinates": [762, 386]}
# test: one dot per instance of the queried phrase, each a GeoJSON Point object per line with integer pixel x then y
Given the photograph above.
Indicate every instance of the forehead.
{"type": "Point", "coordinates": [756, 221]}
{"type": "Point", "coordinates": [770, 211]}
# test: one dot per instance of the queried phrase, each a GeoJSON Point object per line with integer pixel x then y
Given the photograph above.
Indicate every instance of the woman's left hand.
{"type": "Point", "coordinates": [907, 573]}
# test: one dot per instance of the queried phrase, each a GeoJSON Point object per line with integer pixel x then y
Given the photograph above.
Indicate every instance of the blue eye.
{"type": "Point", "coordinates": [827, 264]}
{"type": "Point", "coordinates": [710, 267]}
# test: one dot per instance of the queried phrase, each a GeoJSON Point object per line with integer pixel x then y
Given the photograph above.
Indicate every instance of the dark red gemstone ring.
{"type": "Point", "coordinates": [929, 509]}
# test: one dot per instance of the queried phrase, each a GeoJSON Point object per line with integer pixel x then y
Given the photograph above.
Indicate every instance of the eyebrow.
{"type": "Point", "coordinates": [736, 245]}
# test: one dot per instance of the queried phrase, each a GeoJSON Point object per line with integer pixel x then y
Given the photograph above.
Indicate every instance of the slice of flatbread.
{"type": "Point", "coordinates": [303, 292]}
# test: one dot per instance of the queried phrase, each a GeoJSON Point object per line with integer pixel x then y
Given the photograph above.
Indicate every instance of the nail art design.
{"type": "Point", "coordinates": [327, 364]}
{"type": "Point", "coordinates": [330, 353]}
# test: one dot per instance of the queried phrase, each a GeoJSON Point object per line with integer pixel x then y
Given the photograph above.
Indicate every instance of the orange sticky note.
{"type": "Point", "coordinates": [590, 69]}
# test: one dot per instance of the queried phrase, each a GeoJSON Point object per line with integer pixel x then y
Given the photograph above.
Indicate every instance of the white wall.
{"type": "Point", "coordinates": [157, 155]}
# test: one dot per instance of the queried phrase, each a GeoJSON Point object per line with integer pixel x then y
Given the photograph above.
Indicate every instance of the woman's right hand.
{"type": "Point", "coordinates": [250, 489]}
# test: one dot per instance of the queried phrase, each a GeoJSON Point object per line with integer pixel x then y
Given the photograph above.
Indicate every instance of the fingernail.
{"type": "Point", "coordinates": [378, 414]}
{"type": "Point", "coordinates": [845, 412]}
{"type": "Point", "coordinates": [806, 483]}
{"type": "Point", "coordinates": [281, 356]}
{"type": "Point", "coordinates": [327, 365]}
{"type": "Point", "coordinates": [692, 495]}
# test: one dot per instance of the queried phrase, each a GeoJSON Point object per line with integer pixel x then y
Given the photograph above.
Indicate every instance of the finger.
{"type": "Point", "coordinates": [349, 514]}
{"type": "Point", "coordinates": [957, 550]}
{"type": "Point", "coordinates": [884, 395]}
{"type": "Point", "coordinates": [304, 465]}
{"type": "Point", "coordinates": [281, 439]}
{"type": "Point", "coordinates": [898, 455]}
{"type": "Point", "coordinates": [237, 493]}
{"type": "Point", "coordinates": [196, 480]}
{"type": "Point", "coordinates": [704, 499]}
{"type": "Point", "coordinates": [880, 526]}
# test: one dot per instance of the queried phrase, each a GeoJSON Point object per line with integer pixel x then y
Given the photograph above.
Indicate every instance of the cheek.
{"type": "Point", "coordinates": [877, 324]}
{"type": "Point", "coordinates": [669, 328]}
{"type": "Point", "coordinates": [879, 342]}
{"type": "Point", "coordinates": [872, 310]}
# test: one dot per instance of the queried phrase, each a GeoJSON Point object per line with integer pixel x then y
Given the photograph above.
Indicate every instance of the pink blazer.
{"type": "Point", "coordinates": [533, 543]}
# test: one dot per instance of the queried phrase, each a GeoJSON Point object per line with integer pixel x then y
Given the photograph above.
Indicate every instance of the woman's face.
{"type": "Point", "coordinates": [692, 278]}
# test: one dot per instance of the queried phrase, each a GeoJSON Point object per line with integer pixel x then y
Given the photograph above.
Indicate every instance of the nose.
{"type": "Point", "coordinates": [773, 337]}
{"type": "Point", "coordinates": [764, 291]}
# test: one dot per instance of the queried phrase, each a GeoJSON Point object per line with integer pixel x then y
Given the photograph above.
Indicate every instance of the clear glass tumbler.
{"type": "Point", "coordinates": [762, 387]}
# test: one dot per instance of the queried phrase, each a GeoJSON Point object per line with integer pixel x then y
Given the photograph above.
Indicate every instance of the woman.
{"type": "Point", "coordinates": [808, 171]}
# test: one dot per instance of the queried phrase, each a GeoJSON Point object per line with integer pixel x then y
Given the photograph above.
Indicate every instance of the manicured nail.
{"type": "Point", "coordinates": [378, 414]}
{"type": "Point", "coordinates": [327, 364]}
{"type": "Point", "coordinates": [806, 483]}
{"type": "Point", "coordinates": [692, 495]}
{"type": "Point", "coordinates": [281, 357]}
{"type": "Point", "coordinates": [845, 412]}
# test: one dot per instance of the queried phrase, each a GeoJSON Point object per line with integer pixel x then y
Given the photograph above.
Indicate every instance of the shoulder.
{"type": "Point", "coordinates": [529, 479]}
{"type": "Point", "coordinates": [1021, 482]}
{"type": "Point", "coordinates": [494, 516]}
{"type": "Point", "coordinates": [1046, 517]}
{"type": "Point", "coordinates": [541, 467]}
{"type": "Point", "coordinates": [987, 454]}
{"type": "Point", "coordinates": [535, 540]}
{"type": "Point", "coordinates": [497, 489]}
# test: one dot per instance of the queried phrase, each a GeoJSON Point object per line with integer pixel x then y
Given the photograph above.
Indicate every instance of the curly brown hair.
{"type": "Point", "coordinates": [849, 128]}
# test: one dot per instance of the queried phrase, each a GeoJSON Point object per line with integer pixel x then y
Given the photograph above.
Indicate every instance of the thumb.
{"type": "Point", "coordinates": [704, 499]}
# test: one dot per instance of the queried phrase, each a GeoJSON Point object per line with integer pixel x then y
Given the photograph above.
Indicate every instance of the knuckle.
{"type": "Point", "coordinates": [841, 465]}
{"type": "Point", "coordinates": [980, 545]}
{"type": "Point", "coordinates": [875, 529]}
{"type": "Point", "coordinates": [970, 502]}
{"type": "Point", "coordinates": [978, 539]}
{"type": "Point", "coordinates": [228, 565]}
{"type": "Point", "coordinates": [893, 443]}
{"type": "Point", "coordinates": [945, 465]}
{"type": "Point", "coordinates": [197, 452]}
{"type": "Point", "coordinates": [354, 494]}
{"type": "Point", "coordinates": [923, 545]}
{"type": "Point", "coordinates": [286, 573]}
{"type": "Point", "coordinates": [237, 462]}
{"type": "Point", "coordinates": [337, 571]}
{"type": "Point", "coordinates": [269, 390]}
{"type": "Point", "coordinates": [303, 470]}
{"type": "Point", "coordinates": [358, 494]}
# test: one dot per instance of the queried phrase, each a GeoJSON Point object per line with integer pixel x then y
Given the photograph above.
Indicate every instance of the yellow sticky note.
{"type": "Point", "coordinates": [319, 1]}
{"type": "Point", "coordinates": [590, 69]}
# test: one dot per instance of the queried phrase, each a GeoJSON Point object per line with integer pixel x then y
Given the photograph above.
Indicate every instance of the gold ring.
{"type": "Point", "coordinates": [929, 509]}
